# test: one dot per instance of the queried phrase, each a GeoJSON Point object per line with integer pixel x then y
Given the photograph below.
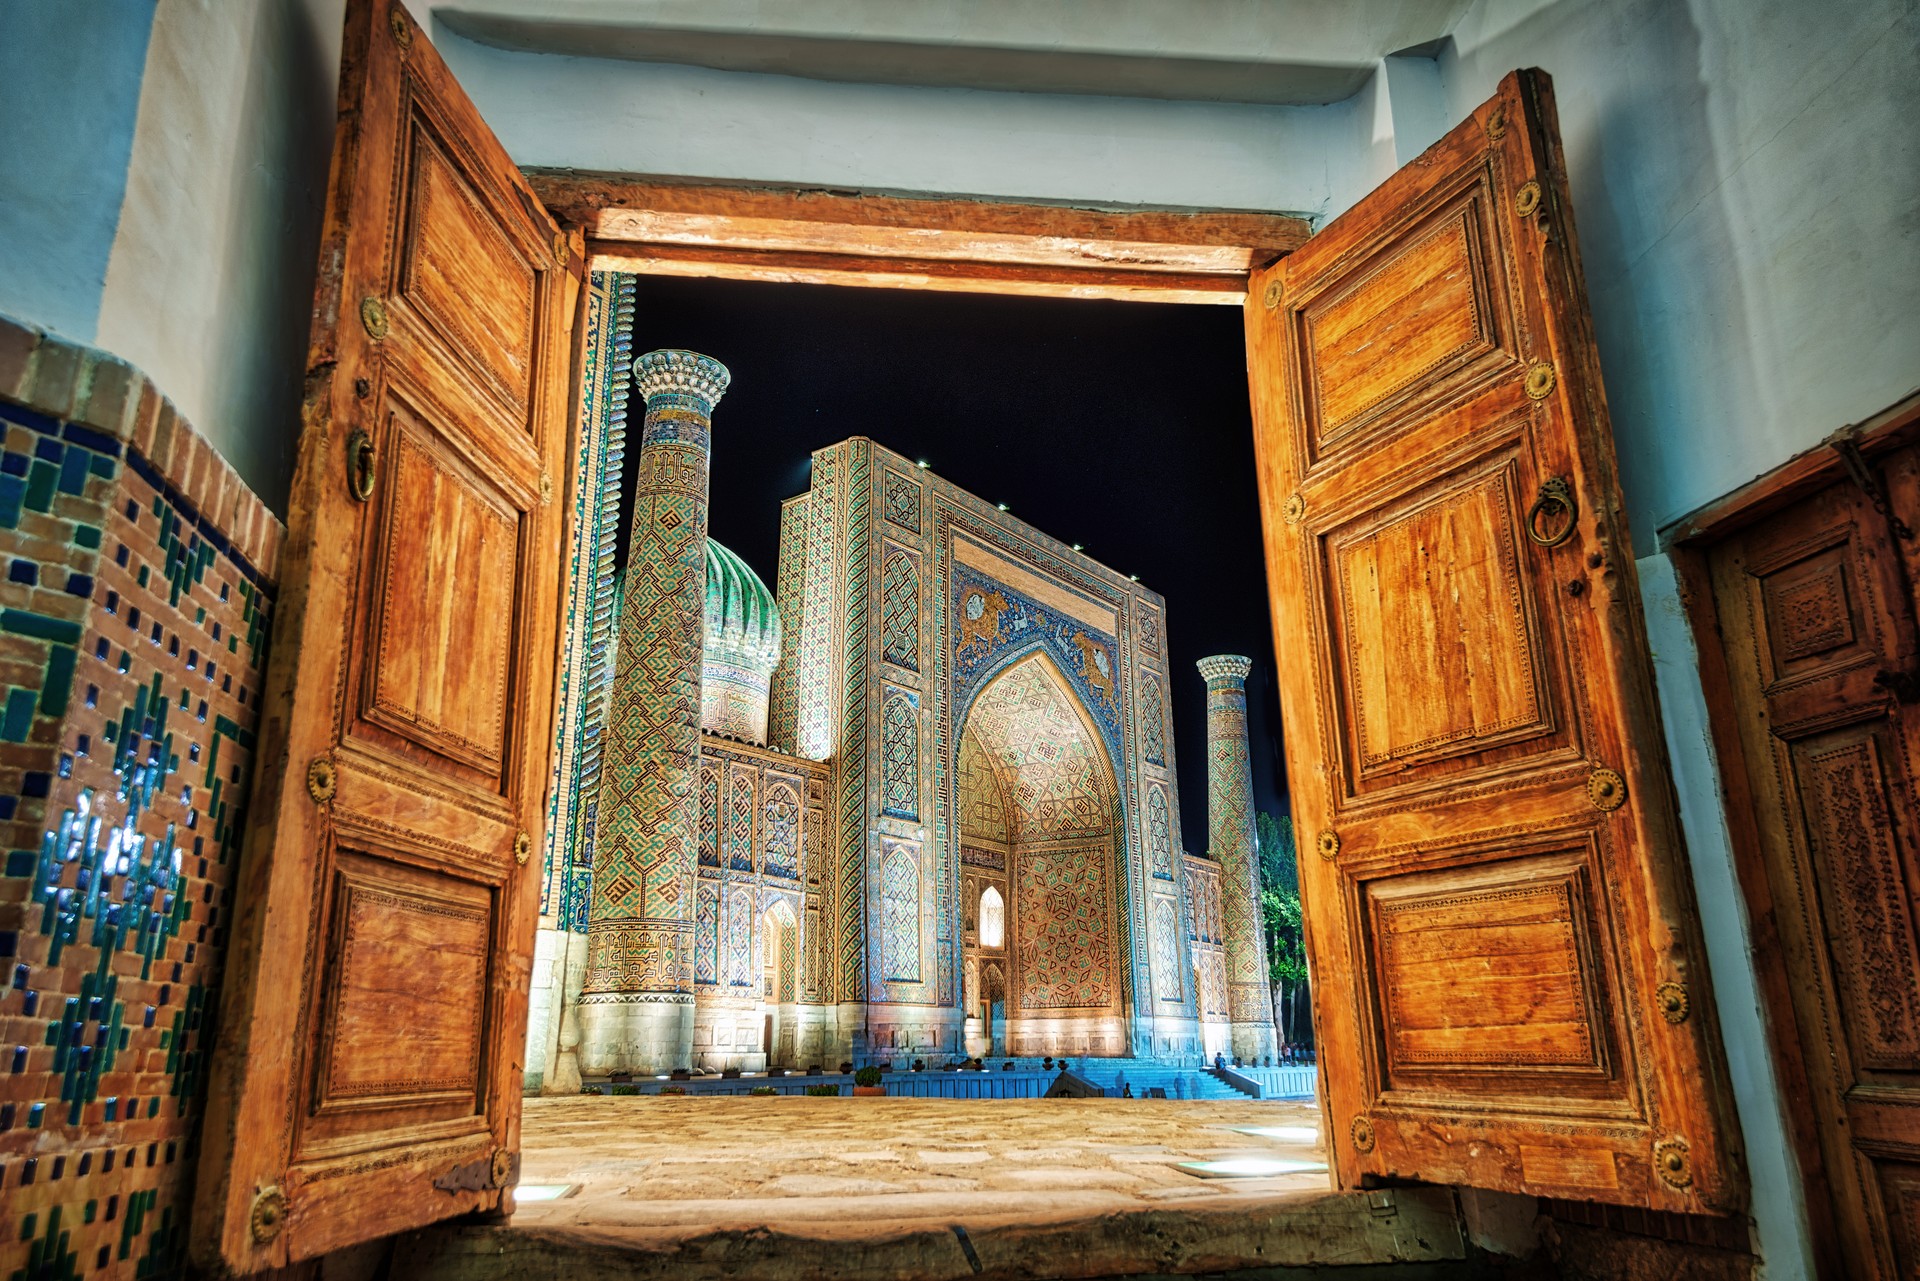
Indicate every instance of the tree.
{"type": "Point", "coordinates": [1283, 923]}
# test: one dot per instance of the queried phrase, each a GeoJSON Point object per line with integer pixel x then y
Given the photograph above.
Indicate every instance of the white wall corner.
{"type": "Point", "coordinates": [1778, 1210]}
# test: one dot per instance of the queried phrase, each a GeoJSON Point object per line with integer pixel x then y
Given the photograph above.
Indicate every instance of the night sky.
{"type": "Point", "coordinates": [1121, 426]}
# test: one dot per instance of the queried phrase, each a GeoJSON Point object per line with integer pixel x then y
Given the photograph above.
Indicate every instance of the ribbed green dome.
{"type": "Point", "coordinates": [742, 618]}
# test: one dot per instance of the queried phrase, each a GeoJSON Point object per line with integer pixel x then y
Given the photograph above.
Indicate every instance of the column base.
{"type": "Point", "coordinates": [639, 1032]}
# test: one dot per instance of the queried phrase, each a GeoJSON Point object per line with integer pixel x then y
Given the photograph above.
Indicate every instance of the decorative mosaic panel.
{"type": "Point", "coordinates": [1230, 814]}
{"type": "Point", "coordinates": [1166, 951]}
{"type": "Point", "coordinates": [903, 501]}
{"type": "Point", "coordinates": [1064, 940]}
{"type": "Point", "coordinates": [1049, 765]}
{"type": "Point", "coordinates": [1153, 720]}
{"type": "Point", "coordinates": [782, 830]}
{"type": "Point", "coordinates": [850, 898]}
{"type": "Point", "coordinates": [900, 608]}
{"type": "Point", "coordinates": [706, 932]}
{"type": "Point", "coordinates": [790, 577]}
{"type": "Point", "coordinates": [1159, 833]}
{"type": "Point", "coordinates": [709, 814]}
{"type": "Point", "coordinates": [132, 632]}
{"type": "Point", "coordinates": [900, 913]}
{"type": "Point", "coordinates": [740, 802]}
{"type": "Point", "coordinates": [648, 804]}
{"type": "Point", "coordinates": [785, 974]}
{"type": "Point", "coordinates": [900, 753]}
{"type": "Point", "coordinates": [587, 673]}
{"type": "Point", "coordinates": [983, 812]}
{"type": "Point", "coordinates": [1147, 620]}
{"type": "Point", "coordinates": [736, 938]}
{"type": "Point", "coordinates": [993, 622]}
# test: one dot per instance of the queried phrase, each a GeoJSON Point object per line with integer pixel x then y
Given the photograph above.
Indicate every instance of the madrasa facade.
{"type": "Point", "coordinates": [920, 800]}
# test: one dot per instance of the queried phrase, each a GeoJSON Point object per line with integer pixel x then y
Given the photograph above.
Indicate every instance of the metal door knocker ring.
{"type": "Point", "coordinates": [1555, 503]}
{"type": "Point", "coordinates": [360, 466]}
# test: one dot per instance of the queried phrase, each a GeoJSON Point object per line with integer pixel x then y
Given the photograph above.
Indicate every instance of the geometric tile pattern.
{"type": "Point", "coordinates": [983, 812]}
{"type": "Point", "coordinates": [1064, 943]}
{"type": "Point", "coordinates": [648, 802]}
{"type": "Point", "coordinates": [1230, 818]}
{"type": "Point", "coordinates": [900, 919]}
{"type": "Point", "coordinates": [132, 630]}
{"type": "Point", "coordinates": [900, 609]}
{"type": "Point", "coordinates": [740, 808]}
{"type": "Point", "coordinates": [850, 902]}
{"type": "Point", "coordinates": [1050, 768]}
{"type": "Point", "coordinates": [1153, 720]}
{"type": "Point", "coordinates": [782, 831]}
{"type": "Point", "coordinates": [900, 753]}
{"type": "Point", "coordinates": [1166, 951]}
{"type": "Point", "coordinates": [587, 673]}
{"type": "Point", "coordinates": [1159, 833]}
{"type": "Point", "coordinates": [998, 622]}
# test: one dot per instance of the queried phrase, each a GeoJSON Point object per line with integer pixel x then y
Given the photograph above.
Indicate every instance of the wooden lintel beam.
{"type": "Point", "coordinates": [615, 207]}
{"type": "Point", "coordinates": [939, 274]}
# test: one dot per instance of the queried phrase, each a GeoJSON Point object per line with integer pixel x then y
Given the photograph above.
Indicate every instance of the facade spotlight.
{"type": "Point", "coordinates": [922, 464]}
{"type": "Point", "coordinates": [1077, 547]}
{"type": "Point", "coordinates": [1133, 578]}
{"type": "Point", "coordinates": [1002, 506]}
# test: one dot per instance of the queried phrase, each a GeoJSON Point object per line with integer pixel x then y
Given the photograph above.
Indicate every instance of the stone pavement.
{"type": "Point", "coordinates": [659, 1169]}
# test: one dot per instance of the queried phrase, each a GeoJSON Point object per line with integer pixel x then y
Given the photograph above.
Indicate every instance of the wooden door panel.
{"type": "Point", "coordinates": [1437, 573]}
{"type": "Point", "coordinates": [1415, 316]}
{"type": "Point", "coordinates": [471, 286]}
{"type": "Point", "coordinates": [1848, 778]}
{"type": "Point", "coordinates": [1488, 970]}
{"type": "Point", "coordinates": [1500, 909]}
{"type": "Point", "coordinates": [1815, 606]}
{"type": "Point", "coordinates": [439, 672]}
{"type": "Point", "coordinates": [368, 1073]}
{"type": "Point", "coordinates": [411, 1051]}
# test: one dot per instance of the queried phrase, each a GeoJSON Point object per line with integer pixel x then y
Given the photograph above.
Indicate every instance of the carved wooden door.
{"type": "Point", "coordinates": [1816, 614]}
{"type": "Point", "coordinates": [369, 1067]}
{"type": "Point", "coordinates": [1509, 983]}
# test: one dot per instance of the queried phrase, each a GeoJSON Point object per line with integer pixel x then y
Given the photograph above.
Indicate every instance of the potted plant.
{"type": "Point", "coordinates": [763, 1091]}
{"type": "Point", "coordinates": [866, 1082]}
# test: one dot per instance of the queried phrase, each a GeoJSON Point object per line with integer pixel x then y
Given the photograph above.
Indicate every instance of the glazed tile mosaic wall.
{"type": "Point", "coordinates": [133, 624]}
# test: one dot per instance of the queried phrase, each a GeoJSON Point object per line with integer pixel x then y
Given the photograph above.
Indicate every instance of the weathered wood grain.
{"type": "Point", "coordinates": [1491, 920]}
{"type": "Point", "coordinates": [1810, 606]}
{"type": "Point", "coordinates": [376, 992]}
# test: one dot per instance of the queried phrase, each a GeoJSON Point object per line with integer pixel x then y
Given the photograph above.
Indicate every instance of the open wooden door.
{"type": "Point", "coordinates": [1509, 983]}
{"type": "Point", "coordinates": [368, 1072]}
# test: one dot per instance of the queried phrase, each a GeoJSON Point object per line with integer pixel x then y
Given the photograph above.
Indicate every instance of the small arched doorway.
{"type": "Point", "coordinates": [779, 981]}
{"type": "Point", "coordinates": [1040, 843]}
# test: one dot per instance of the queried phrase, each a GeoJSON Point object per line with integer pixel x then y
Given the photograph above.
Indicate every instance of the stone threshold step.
{"type": "Point", "coordinates": [1406, 1234]}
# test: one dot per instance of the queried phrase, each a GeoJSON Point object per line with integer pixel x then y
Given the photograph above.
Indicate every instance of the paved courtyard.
{"type": "Point", "coordinates": [666, 1169]}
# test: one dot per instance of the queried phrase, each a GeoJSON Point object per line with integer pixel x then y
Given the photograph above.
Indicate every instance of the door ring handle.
{"type": "Point", "coordinates": [360, 466]}
{"type": "Point", "coordinates": [1555, 500]}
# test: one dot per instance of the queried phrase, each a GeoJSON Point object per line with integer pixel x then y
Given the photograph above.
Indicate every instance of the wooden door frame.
{"type": "Point", "coordinates": [893, 240]}
{"type": "Point", "coordinates": [1689, 542]}
{"type": "Point", "coordinates": [654, 226]}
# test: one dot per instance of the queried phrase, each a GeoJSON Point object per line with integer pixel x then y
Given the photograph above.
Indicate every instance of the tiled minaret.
{"type": "Point", "coordinates": [636, 1009]}
{"type": "Point", "coordinates": [1230, 829]}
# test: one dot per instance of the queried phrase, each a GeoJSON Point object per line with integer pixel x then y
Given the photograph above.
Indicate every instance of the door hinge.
{"type": "Point", "coordinates": [1846, 443]}
{"type": "Point", "coordinates": [496, 1170]}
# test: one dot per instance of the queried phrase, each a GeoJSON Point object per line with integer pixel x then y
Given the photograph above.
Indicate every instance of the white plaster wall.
{"type": "Point", "coordinates": [1779, 1201]}
{"type": "Point", "coordinates": [688, 121]}
{"type": "Point", "coordinates": [1746, 186]}
{"type": "Point", "coordinates": [209, 283]}
{"type": "Point", "coordinates": [69, 92]}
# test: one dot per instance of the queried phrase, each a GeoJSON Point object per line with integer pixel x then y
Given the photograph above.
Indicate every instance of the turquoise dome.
{"type": "Point", "coordinates": [743, 620]}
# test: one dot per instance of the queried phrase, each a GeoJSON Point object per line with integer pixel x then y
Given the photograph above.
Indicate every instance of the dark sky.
{"type": "Point", "coordinates": [1121, 426]}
